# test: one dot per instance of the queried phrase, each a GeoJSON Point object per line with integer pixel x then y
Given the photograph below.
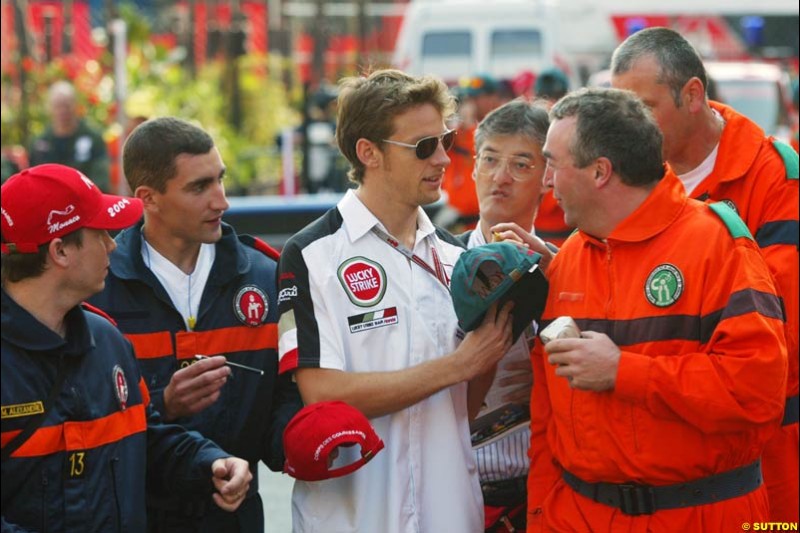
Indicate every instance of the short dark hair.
{"type": "Point", "coordinates": [15, 267]}
{"type": "Point", "coordinates": [517, 117]}
{"type": "Point", "coordinates": [368, 105]}
{"type": "Point", "coordinates": [152, 147]}
{"type": "Point", "coordinates": [616, 125]}
{"type": "Point", "coordinates": [676, 57]}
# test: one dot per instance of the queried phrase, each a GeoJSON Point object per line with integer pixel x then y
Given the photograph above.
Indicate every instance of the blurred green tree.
{"type": "Point", "coordinates": [158, 85]}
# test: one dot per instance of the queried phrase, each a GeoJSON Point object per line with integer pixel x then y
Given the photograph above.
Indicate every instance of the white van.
{"type": "Point", "coordinates": [457, 38]}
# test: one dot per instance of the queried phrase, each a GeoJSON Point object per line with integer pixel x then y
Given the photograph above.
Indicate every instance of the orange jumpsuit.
{"type": "Point", "coordinates": [751, 173]}
{"type": "Point", "coordinates": [549, 222]}
{"type": "Point", "coordinates": [458, 181]}
{"type": "Point", "coordinates": [700, 382]}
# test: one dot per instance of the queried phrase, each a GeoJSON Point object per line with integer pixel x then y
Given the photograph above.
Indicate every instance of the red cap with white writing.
{"type": "Point", "coordinates": [316, 430]}
{"type": "Point", "coordinates": [45, 202]}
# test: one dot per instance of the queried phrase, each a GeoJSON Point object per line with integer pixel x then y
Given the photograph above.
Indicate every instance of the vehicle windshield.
{"type": "Point", "coordinates": [515, 43]}
{"type": "Point", "coordinates": [451, 43]}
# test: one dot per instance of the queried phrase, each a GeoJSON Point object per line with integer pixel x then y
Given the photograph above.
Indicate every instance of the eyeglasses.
{"type": "Point", "coordinates": [427, 146]}
{"type": "Point", "coordinates": [520, 168]}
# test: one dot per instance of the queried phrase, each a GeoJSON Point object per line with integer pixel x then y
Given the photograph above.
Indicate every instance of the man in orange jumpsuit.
{"type": "Point", "coordinates": [720, 155]}
{"type": "Point", "coordinates": [655, 419]}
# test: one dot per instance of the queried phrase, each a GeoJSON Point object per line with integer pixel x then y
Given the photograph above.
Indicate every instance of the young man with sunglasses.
{"type": "Point", "coordinates": [508, 176]}
{"type": "Point", "coordinates": [378, 331]}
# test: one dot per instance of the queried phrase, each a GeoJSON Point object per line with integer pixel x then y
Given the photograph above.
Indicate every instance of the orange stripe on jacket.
{"type": "Point", "coordinates": [145, 392]}
{"type": "Point", "coordinates": [288, 362]}
{"type": "Point", "coordinates": [81, 435]}
{"type": "Point", "coordinates": [225, 340]}
{"type": "Point", "coordinates": [217, 341]}
{"type": "Point", "coordinates": [151, 345]}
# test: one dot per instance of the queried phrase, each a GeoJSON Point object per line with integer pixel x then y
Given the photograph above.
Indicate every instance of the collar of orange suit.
{"type": "Point", "coordinates": [739, 146]}
{"type": "Point", "coordinates": [656, 213]}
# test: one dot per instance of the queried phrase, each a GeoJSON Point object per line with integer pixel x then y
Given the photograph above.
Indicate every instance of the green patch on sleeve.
{"type": "Point", "coordinates": [790, 159]}
{"type": "Point", "coordinates": [734, 223]}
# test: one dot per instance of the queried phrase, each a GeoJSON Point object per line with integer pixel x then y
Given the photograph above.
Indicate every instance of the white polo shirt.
{"type": "Point", "coordinates": [351, 302]}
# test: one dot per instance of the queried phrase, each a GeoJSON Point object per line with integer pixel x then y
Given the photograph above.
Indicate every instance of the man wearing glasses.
{"type": "Point", "coordinates": [377, 328]}
{"type": "Point", "coordinates": [508, 173]}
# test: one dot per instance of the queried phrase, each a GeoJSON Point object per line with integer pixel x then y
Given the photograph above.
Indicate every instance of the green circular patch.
{"type": "Point", "coordinates": [664, 285]}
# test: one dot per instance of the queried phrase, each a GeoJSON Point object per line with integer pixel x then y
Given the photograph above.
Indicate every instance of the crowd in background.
{"type": "Point", "coordinates": [665, 223]}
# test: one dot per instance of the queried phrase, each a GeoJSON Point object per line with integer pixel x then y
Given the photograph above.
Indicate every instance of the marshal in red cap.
{"type": "Point", "coordinates": [45, 202]}
{"type": "Point", "coordinates": [317, 430]}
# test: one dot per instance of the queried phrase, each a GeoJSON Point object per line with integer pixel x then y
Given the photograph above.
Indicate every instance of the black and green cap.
{"type": "Point", "coordinates": [498, 272]}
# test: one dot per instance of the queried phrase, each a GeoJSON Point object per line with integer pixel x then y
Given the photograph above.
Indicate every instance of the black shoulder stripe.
{"type": "Point", "coordinates": [327, 224]}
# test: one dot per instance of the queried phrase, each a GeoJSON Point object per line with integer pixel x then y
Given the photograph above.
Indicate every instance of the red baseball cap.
{"type": "Point", "coordinates": [317, 430]}
{"type": "Point", "coordinates": [45, 202]}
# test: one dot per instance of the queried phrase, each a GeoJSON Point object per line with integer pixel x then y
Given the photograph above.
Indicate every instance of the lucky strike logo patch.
{"type": "Point", "coordinates": [363, 280]}
{"type": "Point", "coordinates": [250, 305]}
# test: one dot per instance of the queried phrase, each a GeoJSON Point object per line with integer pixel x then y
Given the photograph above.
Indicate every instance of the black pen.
{"type": "Point", "coordinates": [236, 365]}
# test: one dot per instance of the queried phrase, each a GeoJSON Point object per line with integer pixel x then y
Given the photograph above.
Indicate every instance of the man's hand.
{"type": "Point", "coordinates": [485, 346]}
{"type": "Point", "coordinates": [521, 373]}
{"type": "Point", "coordinates": [231, 477]}
{"type": "Point", "coordinates": [511, 231]}
{"type": "Point", "coordinates": [589, 363]}
{"type": "Point", "coordinates": [195, 387]}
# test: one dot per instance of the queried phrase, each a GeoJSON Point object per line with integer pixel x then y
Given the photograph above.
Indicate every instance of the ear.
{"type": "Point", "coordinates": [368, 153]}
{"type": "Point", "coordinates": [58, 253]}
{"type": "Point", "coordinates": [603, 170]}
{"type": "Point", "coordinates": [694, 95]}
{"type": "Point", "coordinates": [148, 196]}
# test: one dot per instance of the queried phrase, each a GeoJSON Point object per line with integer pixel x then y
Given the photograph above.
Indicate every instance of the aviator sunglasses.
{"type": "Point", "coordinates": [427, 146]}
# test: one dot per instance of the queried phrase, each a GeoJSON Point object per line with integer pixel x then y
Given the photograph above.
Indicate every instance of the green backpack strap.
{"type": "Point", "coordinates": [734, 223]}
{"type": "Point", "coordinates": [790, 159]}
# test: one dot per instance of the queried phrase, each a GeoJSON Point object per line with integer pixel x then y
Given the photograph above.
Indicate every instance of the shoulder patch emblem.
{"type": "Point", "coordinates": [120, 387]}
{"type": "Point", "coordinates": [363, 280]}
{"type": "Point", "coordinates": [664, 285]}
{"type": "Point", "coordinates": [250, 305]}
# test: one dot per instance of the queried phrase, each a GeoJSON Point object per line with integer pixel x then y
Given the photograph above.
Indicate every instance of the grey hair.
{"type": "Point", "coordinates": [676, 57]}
{"type": "Point", "coordinates": [517, 117]}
